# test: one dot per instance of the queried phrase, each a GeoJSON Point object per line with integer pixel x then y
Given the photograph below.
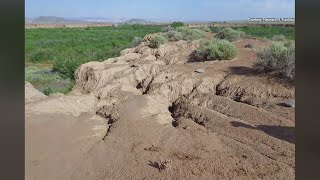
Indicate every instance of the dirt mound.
{"type": "Point", "coordinates": [224, 123]}
{"type": "Point", "coordinates": [32, 94]}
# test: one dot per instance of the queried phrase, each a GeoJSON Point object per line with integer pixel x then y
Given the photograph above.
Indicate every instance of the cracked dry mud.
{"type": "Point", "coordinates": [149, 105]}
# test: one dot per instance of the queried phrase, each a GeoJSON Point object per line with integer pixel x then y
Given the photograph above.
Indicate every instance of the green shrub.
{"type": "Point", "coordinates": [190, 34]}
{"type": "Point", "coordinates": [215, 29]}
{"type": "Point", "coordinates": [174, 36]}
{"type": "Point", "coordinates": [156, 41]}
{"type": "Point", "coordinates": [41, 55]}
{"type": "Point", "coordinates": [136, 41]}
{"type": "Point", "coordinates": [66, 65]}
{"type": "Point", "coordinates": [177, 24]}
{"type": "Point", "coordinates": [216, 49]}
{"type": "Point", "coordinates": [229, 34]}
{"type": "Point", "coordinates": [279, 38]}
{"type": "Point", "coordinates": [205, 29]}
{"type": "Point", "coordinates": [277, 58]}
{"type": "Point", "coordinates": [47, 90]}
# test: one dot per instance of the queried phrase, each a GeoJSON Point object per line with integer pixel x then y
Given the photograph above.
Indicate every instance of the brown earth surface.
{"type": "Point", "coordinates": [148, 115]}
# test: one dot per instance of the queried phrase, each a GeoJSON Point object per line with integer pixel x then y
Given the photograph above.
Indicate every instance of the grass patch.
{"type": "Point", "coordinates": [48, 81]}
{"type": "Point", "coordinates": [269, 32]}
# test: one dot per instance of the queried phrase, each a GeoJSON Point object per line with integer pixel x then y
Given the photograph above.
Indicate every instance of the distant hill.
{"type": "Point", "coordinates": [101, 19]}
{"type": "Point", "coordinates": [138, 21]}
{"type": "Point", "coordinates": [52, 20]}
{"type": "Point", "coordinates": [28, 20]}
{"type": "Point", "coordinates": [84, 20]}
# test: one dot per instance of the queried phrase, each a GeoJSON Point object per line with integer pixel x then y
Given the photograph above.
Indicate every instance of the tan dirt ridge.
{"type": "Point", "coordinates": [149, 115]}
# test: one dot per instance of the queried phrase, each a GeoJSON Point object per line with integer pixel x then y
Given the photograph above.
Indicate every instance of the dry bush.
{"type": "Point", "coordinates": [162, 165]}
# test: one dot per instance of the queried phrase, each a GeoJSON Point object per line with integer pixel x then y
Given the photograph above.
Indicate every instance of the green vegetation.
{"type": "Point", "coordinates": [190, 34]}
{"type": "Point", "coordinates": [157, 40]}
{"type": "Point", "coordinates": [216, 49]}
{"type": "Point", "coordinates": [277, 58]}
{"type": "Point", "coordinates": [264, 32]}
{"type": "Point", "coordinates": [67, 48]}
{"type": "Point", "coordinates": [215, 29]}
{"type": "Point", "coordinates": [177, 24]}
{"type": "Point", "coordinates": [205, 29]}
{"type": "Point", "coordinates": [33, 73]}
{"type": "Point", "coordinates": [47, 80]}
{"type": "Point", "coordinates": [230, 34]}
{"type": "Point", "coordinates": [269, 32]}
{"type": "Point", "coordinates": [80, 45]}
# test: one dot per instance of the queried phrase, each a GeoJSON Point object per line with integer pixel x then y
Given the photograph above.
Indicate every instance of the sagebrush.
{"type": "Point", "coordinates": [136, 41]}
{"type": "Point", "coordinates": [216, 49]}
{"type": "Point", "coordinates": [279, 38]}
{"type": "Point", "coordinates": [229, 34]}
{"type": "Point", "coordinates": [190, 34]}
{"type": "Point", "coordinates": [277, 58]}
{"type": "Point", "coordinates": [174, 36]}
{"type": "Point", "coordinates": [156, 41]}
{"type": "Point", "coordinates": [205, 29]}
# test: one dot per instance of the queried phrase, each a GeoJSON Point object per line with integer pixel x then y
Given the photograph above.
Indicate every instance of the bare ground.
{"type": "Point", "coordinates": [148, 115]}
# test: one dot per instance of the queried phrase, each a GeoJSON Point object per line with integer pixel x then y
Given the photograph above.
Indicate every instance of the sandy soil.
{"type": "Point", "coordinates": [148, 115]}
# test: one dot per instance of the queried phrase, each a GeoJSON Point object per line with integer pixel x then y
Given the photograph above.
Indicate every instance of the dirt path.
{"type": "Point", "coordinates": [148, 115]}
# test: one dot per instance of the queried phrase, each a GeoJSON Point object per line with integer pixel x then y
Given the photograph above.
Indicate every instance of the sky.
{"type": "Point", "coordinates": [182, 10]}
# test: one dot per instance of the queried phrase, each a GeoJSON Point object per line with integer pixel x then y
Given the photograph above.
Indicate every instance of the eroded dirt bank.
{"type": "Point", "coordinates": [126, 114]}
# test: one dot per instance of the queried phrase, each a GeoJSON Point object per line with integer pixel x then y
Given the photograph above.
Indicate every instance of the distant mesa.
{"type": "Point", "coordinates": [52, 20]}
